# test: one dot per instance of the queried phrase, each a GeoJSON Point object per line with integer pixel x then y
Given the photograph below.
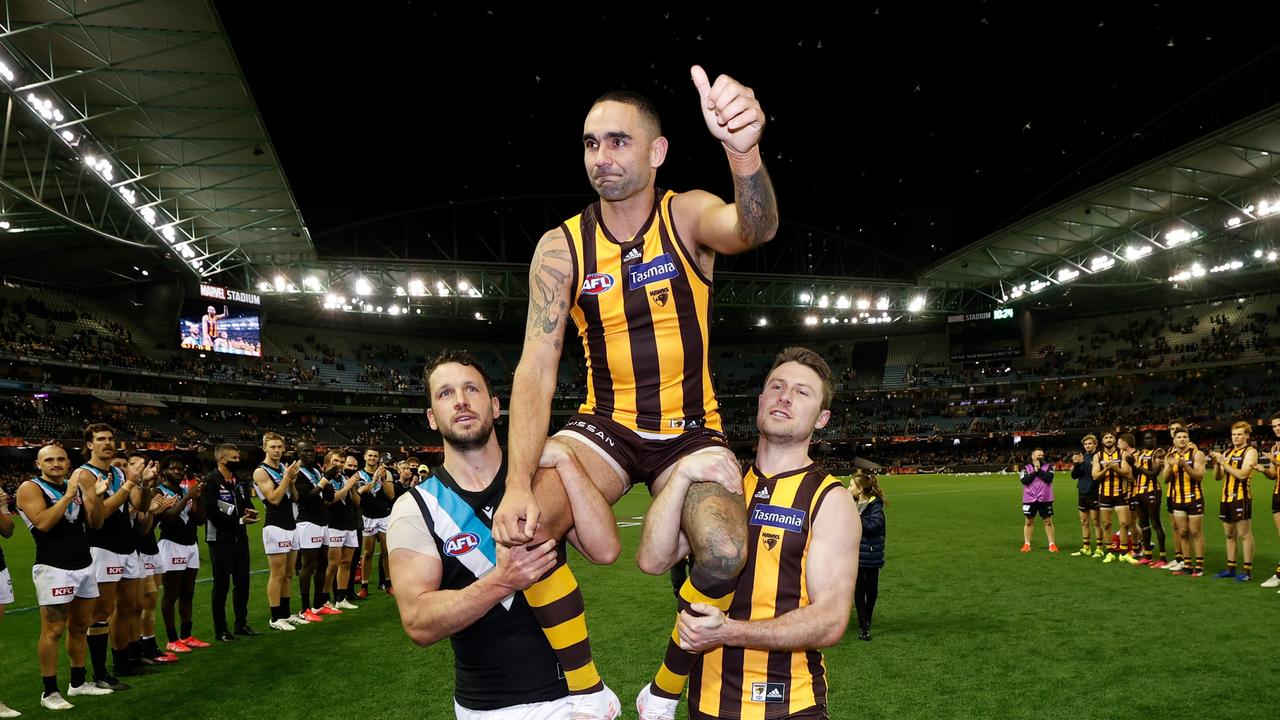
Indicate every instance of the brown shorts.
{"type": "Point", "coordinates": [1236, 510]}
{"type": "Point", "coordinates": [640, 459]}
{"type": "Point", "coordinates": [1275, 503]}
{"type": "Point", "coordinates": [1192, 508]}
{"type": "Point", "coordinates": [1113, 501]}
{"type": "Point", "coordinates": [817, 712]}
{"type": "Point", "coordinates": [1149, 500]}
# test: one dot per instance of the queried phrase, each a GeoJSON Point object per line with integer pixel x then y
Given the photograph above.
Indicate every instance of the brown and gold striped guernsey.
{"type": "Point", "coordinates": [1112, 481]}
{"type": "Point", "coordinates": [1184, 488]}
{"type": "Point", "coordinates": [642, 307]}
{"type": "Point", "coordinates": [1145, 460]}
{"type": "Point", "coordinates": [1233, 489]}
{"type": "Point", "coordinates": [731, 682]}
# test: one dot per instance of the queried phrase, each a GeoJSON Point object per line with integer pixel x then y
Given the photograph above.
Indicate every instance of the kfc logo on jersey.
{"type": "Point", "coordinates": [461, 544]}
{"type": "Point", "coordinates": [115, 570]}
{"type": "Point", "coordinates": [597, 283]}
{"type": "Point", "coordinates": [63, 591]}
{"type": "Point", "coordinates": [285, 544]}
{"type": "Point", "coordinates": [317, 539]}
{"type": "Point", "coordinates": [178, 561]}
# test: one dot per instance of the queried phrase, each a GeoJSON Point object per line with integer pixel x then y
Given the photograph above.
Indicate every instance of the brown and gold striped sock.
{"type": "Point", "coordinates": [556, 601]}
{"type": "Point", "coordinates": [677, 663]}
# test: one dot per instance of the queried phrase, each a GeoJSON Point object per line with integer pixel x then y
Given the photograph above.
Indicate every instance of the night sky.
{"type": "Point", "coordinates": [913, 129]}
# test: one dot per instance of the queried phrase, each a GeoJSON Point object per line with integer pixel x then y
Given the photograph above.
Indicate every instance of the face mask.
{"type": "Point", "coordinates": [238, 466]}
{"type": "Point", "coordinates": [350, 472]}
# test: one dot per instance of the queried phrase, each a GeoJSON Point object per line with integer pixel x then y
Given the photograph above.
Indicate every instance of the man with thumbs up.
{"type": "Point", "coordinates": [634, 272]}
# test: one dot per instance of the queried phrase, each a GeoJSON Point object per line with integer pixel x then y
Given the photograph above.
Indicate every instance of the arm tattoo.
{"type": "Point", "coordinates": [757, 207]}
{"type": "Point", "coordinates": [546, 309]}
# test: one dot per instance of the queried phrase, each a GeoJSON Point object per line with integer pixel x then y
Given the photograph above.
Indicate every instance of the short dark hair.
{"type": "Point", "coordinates": [1128, 439]}
{"type": "Point", "coordinates": [461, 357]}
{"type": "Point", "coordinates": [814, 362]}
{"type": "Point", "coordinates": [1177, 421]}
{"type": "Point", "coordinates": [223, 449]}
{"type": "Point", "coordinates": [95, 428]}
{"type": "Point", "coordinates": [137, 453]}
{"type": "Point", "coordinates": [642, 104]}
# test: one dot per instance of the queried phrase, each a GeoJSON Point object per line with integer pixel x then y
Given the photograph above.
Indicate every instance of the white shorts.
{"type": "Point", "coordinates": [55, 586]}
{"type": "Point", "coordinates": [6, 587]}
{"type": "Point", "coordinates": [112, 567]}
{"type": "Point", "coordinates": [178, 557]}
{"type": "Point", "coordinates": [276, 540]}
{"type": "Point", "coordinates": [373, 526]}
{"type": "Point", "coordinates": [550, 710]}
{"type": "Point", "coordinates": [341, 538]}
{"type": "Point", "coordinates": [151, 565]}
{"type": "Point", "coordinates": [309, 536]}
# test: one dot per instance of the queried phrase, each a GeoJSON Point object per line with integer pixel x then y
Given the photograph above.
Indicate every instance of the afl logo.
{"type": "Point", "coordinates": [461, 544]}
{"type": "Point", "coordinates": [597, 283]}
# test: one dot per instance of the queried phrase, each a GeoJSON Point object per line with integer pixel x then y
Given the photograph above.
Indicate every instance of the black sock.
{"type": "Point", "coordinates": [306, 596]}
{"type": "Point", "coordinates": [149, 646]}
{"type": "Point", "coordinates": [135, 652]}
{"type": "Point", "coordinates": [321, 599]}
{"type": "Point", "coordinates": [120, 658]}
{"type": "Point", "coordinates": [342, 592]}
{"type": "Point", "coordinates": [51, 684]}
{"type": "Point", "coordinates": [98, 651]}
{"type": "Point", "coordinates": [284, 608]}
{"type": "Point", "coordinates": [186, 629]}
{"type": "Point", "coordinates": [77, 677]}
{"type": "Point", "coordinates": [171, 632]}
{"type": "Point", "coordinates": [275, 613]}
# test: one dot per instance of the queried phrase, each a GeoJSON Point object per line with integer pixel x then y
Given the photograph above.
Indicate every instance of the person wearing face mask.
{"type": "Point", "coordinates": [340, 468]}
{"type": "Point", "coordinates": [228, 508]}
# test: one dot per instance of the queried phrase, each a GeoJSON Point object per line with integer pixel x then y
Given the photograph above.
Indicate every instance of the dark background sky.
{"type": "Point", "coordinates": [912, 128]}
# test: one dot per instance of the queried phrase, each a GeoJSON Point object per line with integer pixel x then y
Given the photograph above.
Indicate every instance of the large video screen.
{"type": "Point", "coordinates": [984, 336]}
{"type": "Point", "coordinates": [210, 326]}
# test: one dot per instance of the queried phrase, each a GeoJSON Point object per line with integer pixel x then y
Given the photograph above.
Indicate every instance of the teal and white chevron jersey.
{"type": "Point", "coordinates": [503, 659]}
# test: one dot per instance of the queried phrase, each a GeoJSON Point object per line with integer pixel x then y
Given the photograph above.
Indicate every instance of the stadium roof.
{"type": "Point", "coordinates": [1202, 207]}
{"type": "Point", "coordinates": [151, 93]}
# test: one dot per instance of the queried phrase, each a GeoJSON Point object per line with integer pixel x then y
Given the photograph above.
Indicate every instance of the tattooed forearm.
{"type": "Point", "coordinates": [547, 303]}
{"type": "Point", "coordinates": [757, 207]}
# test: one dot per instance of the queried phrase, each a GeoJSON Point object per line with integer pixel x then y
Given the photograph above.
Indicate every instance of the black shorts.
{"type": "Point", "coordinates": [1043, 509]}
{"type": "Point", "coordinates": [1195, 507]}
{"type": "Point", "coordinates": [1088, 503]}
{"type": "Point", "coordinates": [1275, 503]}
{"type": "Point", "coordinates": [641, 459]}
{"type": "Point", "coordinates": [1113, 501]}
{"type": "Point", "coordinates": [1235, 511]}
{"type": "Point", "coordinates": [1168, 504]}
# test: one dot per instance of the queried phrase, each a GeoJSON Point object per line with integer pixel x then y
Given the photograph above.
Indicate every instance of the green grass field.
{"type": "Point", "coordinates": [966, 627]}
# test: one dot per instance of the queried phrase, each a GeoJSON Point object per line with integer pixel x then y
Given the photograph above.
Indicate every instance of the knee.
{"type": "Point", "coordinates": [721, 552]}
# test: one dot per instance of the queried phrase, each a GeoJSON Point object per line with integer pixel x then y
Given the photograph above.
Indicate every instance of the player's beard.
{"type": "Point", "coordinates": [465, 441]}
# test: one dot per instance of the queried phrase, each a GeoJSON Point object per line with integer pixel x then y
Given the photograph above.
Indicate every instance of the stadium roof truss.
{"type": "Point", "coordinates": [1200, 210]}
{"type": "Point", "coordinates": [131, 121]}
